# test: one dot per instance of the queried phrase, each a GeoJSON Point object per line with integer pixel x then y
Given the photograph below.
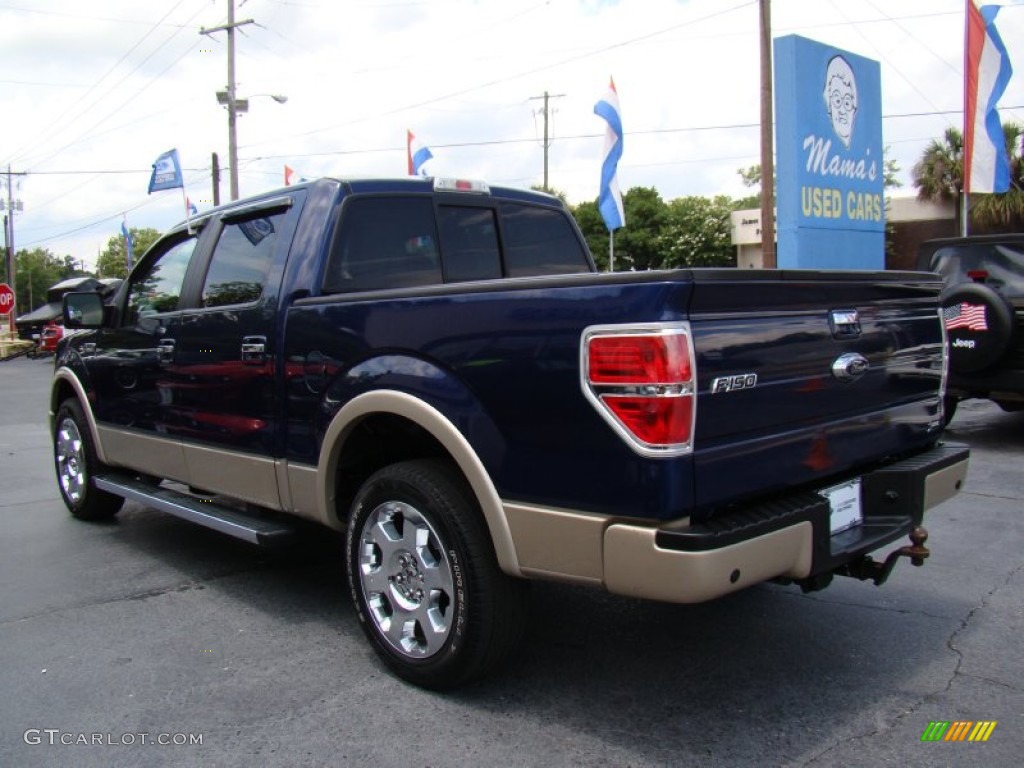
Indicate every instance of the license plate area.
{"type": "Point", "coordinates": [844, 502]}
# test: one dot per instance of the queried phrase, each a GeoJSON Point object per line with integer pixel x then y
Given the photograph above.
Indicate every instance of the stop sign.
{"type": "Point", "coordinates": [6, 299]}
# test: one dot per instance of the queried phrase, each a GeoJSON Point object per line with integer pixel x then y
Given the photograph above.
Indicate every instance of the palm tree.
{"type": "Point", "coordinates": [939, 175]}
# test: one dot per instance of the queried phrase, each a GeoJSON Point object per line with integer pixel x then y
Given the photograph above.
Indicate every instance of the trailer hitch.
{"type": "Point", "coordinates": [867, 568]}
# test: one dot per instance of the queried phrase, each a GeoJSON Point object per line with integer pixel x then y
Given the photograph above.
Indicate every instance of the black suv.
{"type": "Point", "coordinates": [983, 305]}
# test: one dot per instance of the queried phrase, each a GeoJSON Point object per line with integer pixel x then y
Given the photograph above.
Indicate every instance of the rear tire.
{"type": "Point", "coordinates": [425, 580]}
{"type": "Point", "coordinates": [74, 458]}
{"type": "Point", "coordinates": [949, 404]}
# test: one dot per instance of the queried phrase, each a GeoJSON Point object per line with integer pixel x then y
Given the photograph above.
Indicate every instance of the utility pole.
{"type": "Point", "coordinates": [228, 98]}
{"type": "Point", "coordinates": [215, 168]}
{"type": "Point", "coordinates": [768, 259]}
{"type": "Point", "coordinates": [10, 206]}
{"type": "Point", "coordinates": [547, 143]}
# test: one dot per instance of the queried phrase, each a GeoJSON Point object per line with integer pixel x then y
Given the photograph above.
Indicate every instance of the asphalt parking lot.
{"type": "Point", "coordinates": [127, 643]}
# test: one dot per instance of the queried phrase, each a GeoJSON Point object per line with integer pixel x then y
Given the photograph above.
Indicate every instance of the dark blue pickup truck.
{"type": "Point", "coordinates": [435, 367]}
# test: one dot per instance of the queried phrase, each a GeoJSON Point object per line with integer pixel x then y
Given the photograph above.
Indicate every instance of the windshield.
{"type": "Point", "coordinates": [1003, 263]}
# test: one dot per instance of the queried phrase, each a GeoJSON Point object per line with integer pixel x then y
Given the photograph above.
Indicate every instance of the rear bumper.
{"type": "Point", "coordinates": [787, 538]}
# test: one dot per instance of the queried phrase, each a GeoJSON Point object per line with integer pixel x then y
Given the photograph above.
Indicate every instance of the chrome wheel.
{"type": "Point", "coordinates": [406, 579]}
{"type": "Point", "coordinates": [71, 461]}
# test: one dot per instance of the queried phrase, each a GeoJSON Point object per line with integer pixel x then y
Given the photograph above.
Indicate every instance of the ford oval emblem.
{"type": "Point", "coordinates": [850, 367]}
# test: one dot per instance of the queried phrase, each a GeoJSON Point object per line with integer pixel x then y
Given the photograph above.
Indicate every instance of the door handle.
{"type": "Point", "coordinates": [165, 351]}
{"type": "Point", "coordinates": [254, 349]}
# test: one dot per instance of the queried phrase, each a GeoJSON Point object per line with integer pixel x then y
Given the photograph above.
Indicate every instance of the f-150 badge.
{"type": "Point", "coordinates": [733, 383]}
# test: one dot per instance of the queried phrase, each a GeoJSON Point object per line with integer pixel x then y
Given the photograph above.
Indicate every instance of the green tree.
{"type": "Point", "coordinates": [638, 245]}
{"type": "Point", "coordinates": [939, 174]}
{"type": "Point", "coordinates": [697, 233]}
{"type": "Point", "coordinates": [112, 261]}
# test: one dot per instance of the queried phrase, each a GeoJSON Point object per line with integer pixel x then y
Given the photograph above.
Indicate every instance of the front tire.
{"type": "Point", "coordinates": [74, 457]}
{"type": "Point", "coordinates": [424, 578]}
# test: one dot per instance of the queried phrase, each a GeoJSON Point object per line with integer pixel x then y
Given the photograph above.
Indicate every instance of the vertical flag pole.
{"type": "Point", "coordinates": [188, 214]}
{"type": "Point", "coordinates": [964, 161]}
{"type": "Point", "coordinates": [609, 201]}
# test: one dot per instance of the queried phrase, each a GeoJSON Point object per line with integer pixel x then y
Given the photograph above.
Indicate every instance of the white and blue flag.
{"type": "Point", "coordinates": [609, 201]}
{"type": "Point", "coordinates": [166, 172]}
{"type": "Point", "coordinates": [128, 245]}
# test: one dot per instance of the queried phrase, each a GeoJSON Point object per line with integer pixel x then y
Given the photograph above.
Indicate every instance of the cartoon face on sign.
{"type": "Point", "coordinates": [841, 97]}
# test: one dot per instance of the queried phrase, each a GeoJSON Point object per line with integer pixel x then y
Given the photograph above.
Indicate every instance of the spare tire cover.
{"type": "Point", "coordinates": [979, 325]}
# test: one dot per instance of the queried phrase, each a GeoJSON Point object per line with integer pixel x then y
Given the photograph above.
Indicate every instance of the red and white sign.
{"type": "Point", "coordinates": [6, 299]}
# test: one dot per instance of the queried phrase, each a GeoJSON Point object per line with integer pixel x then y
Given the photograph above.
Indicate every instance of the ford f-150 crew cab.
{"type": "Point", "coordinates": [435, 368]}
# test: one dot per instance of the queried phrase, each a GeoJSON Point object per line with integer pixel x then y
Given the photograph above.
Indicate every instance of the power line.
{"type": "Point", "coordinates": [487, 143]}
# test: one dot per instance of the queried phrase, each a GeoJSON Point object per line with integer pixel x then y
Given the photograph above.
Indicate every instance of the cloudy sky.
{"type": "Point", "coordinates": [92, 92]}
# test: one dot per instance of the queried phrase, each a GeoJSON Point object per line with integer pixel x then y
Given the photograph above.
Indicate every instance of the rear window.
{"type": "Point", "coordinates": [1003, 263]}
{"type": "Point", "coordinates": [391, 241]}
{"type": "Point", "coordinates": [540, 241]}
{"type": "Point", "coordinates": [469, 237]}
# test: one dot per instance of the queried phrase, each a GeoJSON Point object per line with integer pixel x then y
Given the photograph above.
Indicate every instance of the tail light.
{"type": "Point", "coordinates": [642, 379]}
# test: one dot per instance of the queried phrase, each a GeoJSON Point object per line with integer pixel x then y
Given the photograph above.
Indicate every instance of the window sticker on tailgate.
{"type": "Point", "coordinates": [844, 500]}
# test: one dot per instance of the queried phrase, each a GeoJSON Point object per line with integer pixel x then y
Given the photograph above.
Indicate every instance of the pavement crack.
{"type": "Point", "coordinates": [966, 621]}
{"type": "Point", "coordinates": [880, 608]}
{"type": "Point", "coordinates": [951, 644]}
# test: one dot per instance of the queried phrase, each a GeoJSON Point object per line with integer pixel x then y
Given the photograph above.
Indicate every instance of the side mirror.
{"type": "Point", "coordinates": [83, 310]}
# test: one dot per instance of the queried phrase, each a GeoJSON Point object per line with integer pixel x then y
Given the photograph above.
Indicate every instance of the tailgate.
{"type": "Point", "coordinates": [806, 377]}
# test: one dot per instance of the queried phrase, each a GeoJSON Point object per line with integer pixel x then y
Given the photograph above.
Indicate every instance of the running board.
{"type": "Point", "coordinates": [255, 530]}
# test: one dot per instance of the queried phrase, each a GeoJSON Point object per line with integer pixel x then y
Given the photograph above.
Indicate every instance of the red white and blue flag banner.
{"type": "Point", "coordinates": [965, 315]}
{"type": "Point", "coordinates": [609, 201]}
{"type": "Point", "coordinates": [291, 176]}
{"type": "Point", "coordinates": [987, 71]}
{"type": "Point", "coordinates": [417, 154]}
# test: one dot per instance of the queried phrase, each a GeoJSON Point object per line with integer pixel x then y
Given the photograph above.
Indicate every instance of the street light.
{"type": "Point", "coordinates": [236, 107]}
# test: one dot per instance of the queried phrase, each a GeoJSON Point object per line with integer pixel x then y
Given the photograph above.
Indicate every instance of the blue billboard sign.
{"type": "Point", "coordinates": [829, 157]}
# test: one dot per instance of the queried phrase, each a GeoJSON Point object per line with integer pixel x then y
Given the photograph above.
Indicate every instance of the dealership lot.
{"type": "Point", "coordinates": [132, 642]}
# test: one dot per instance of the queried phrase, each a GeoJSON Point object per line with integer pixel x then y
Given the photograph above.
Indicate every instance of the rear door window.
{"type": "Point", "coordinates": [384, 242]}
{"type": "Point", "coordinates": [241, 260]}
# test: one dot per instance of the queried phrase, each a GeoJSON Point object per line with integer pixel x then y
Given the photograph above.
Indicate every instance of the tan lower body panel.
{"type": "Point", "coordinates": [634, 565]}
{"type": "Point", "coordinates": [557, 544]}
{"type": "Point", "coordinates": [593, 549]}
{"type": "Point", "coordinates": [944, 484]}
{"type": "Point", "coordinates": [302, 492]}
{"type": "Point", "coordinates": [159, 456]}
{"type": "Point", "coordinates": [239, 475]}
